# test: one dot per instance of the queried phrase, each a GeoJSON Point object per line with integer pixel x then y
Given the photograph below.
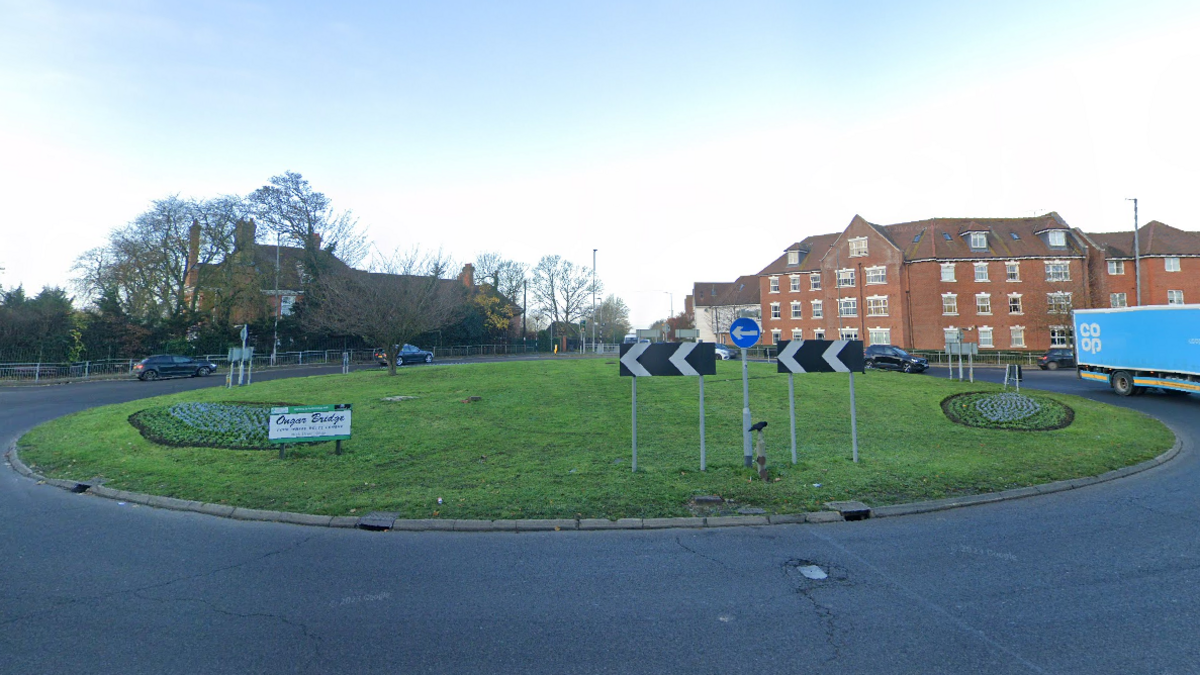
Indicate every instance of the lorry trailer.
{"type": "Point", "coordinates": [1132, 349]}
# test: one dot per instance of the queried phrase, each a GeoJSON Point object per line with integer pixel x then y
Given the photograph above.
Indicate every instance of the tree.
{"type": "Point", "coordinates": [506, 276]}
{"type": "Point", "coordinates": [611, 319]}
{"type": "Point", "coordinates": [383, 308]}
{"type": "Point", "coordinates": [289, 207]}
{"type": "Point", "coordinates": [562, 289]}
{"type": "Point", "coordinates": [41, 327]}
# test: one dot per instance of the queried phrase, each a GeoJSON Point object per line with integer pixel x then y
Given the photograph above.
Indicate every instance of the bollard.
{"type": "Point", "coordinates": [760, 450]}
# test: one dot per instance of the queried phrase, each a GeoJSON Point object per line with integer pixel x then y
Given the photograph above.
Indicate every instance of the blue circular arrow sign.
{"type": "Point", "coordinates": [745, 332]}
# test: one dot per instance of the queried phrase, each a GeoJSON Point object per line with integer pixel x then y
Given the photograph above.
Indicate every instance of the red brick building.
{"type": "Point", "coordinates": [1006, 283]}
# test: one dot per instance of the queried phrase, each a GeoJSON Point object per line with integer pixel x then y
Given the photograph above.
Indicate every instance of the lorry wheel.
{"type": "Point", "coordinates": [1122, 383]}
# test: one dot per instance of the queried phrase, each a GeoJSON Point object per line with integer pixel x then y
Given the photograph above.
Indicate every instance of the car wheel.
{"type": "Point", "coordinates": [429, 358]}
{"type": "Point", "coordinates": [908, 368]}
{"type": "Point", "coordinates": [1122, 383]}
{"type": "Point", "coordinates": [1053, 365]}
{"type": "Point", "coordinates": [203, 372]}
{"type": "Point", "coordinates": [150, 375]}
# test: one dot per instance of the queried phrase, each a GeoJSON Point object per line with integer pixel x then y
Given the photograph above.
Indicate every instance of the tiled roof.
{"type": "Point", "coordinates": [744, 291]}
{"type": "Point", "coordinates": [813, 249]}
{"type": "Point", "coordinates": [1154, 238]}
{"type": "Point", "coordinates": [943, 238]}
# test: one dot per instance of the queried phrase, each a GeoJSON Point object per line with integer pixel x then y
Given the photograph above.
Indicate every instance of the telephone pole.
{"type": "Point", "coordinates": [1137, 258]}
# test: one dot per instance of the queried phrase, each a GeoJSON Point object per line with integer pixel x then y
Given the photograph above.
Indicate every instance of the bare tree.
{"type": "Point", "coordinates": [384, 308]}
{"type": "Point", "coordinates": [289, 207]}
{"type": "Point", "coordinates": [506, 276]}
{"type": "Point", "coordinates": [562, 289]}
{"type": "Point", "coordinates": [612, 319]}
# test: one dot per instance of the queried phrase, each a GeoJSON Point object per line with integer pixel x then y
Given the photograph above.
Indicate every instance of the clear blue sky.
{"type": "Point", "coordinates": [688, 141]}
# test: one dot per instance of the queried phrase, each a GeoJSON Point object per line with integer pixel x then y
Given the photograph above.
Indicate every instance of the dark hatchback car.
{"type": "Point", "coordinates": [407, 354]}
{"type": "Point", "coordinates": [1056, 358]}
{"type": "Point", "coordinates": [169, 365]}
{"type": "Point", "coordinates": [887, 357]}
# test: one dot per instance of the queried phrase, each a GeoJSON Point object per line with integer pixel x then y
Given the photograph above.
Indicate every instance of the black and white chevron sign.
{"type": "Point", "coordinates": [820, 356]}
{"type": "Point", "coordinates": [646, 359]}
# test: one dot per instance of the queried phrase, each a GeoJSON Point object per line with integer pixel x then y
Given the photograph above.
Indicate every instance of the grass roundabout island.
{"type": "Point", "coordinates": [551, 439]}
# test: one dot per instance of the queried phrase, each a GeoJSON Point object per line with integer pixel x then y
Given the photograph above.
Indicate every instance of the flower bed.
{"type": "Point", "coordinates": [1008, 410]}
{"type": "Point", "coordinates": [241, 426]}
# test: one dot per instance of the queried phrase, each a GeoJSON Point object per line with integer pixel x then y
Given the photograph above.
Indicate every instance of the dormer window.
{"type": "Point", "coordinates": [793, 257]}
{"type": "Point", "coordinates": [978, 240]}
{"type": "Point", "coordinates": [1057, 237]}
{"type": "Point", "coordinates": [858, 247]}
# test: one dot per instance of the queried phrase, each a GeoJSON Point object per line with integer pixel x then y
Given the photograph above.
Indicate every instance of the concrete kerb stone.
{"type": "Point", "coordinates": [661, 523]}
{"type": "Point", "coordinates": [735, 521]}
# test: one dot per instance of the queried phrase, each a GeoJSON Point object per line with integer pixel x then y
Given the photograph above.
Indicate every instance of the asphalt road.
{"type": "Point", "coordinates": [1103, 579]}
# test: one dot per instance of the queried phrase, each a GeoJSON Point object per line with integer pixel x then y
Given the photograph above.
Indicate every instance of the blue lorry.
{"type": "Point", "coordinates": [1132, 349]}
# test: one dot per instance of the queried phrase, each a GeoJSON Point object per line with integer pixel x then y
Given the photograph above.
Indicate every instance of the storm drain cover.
{"type": "Point", "coordinates": [377, 520]}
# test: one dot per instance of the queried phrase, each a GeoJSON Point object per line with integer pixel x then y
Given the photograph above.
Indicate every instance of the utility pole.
{"type": "Point", "coordinates": [1137, 258]}
{"type": "Point", "coordinates": [278, 302]}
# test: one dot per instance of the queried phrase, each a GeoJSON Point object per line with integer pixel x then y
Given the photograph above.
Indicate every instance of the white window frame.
{"type": "Point", "coordinates": [949, 304]}
{"type": "Point", "coordinates": [983, 303]}
{"type": "Point", "coordinates": [1059, 337]}
{"type": "Point", "coordinates": [797, 334]}
{"type": "Point", "coordinates": [793, 257]}
{"type": "Point", "coordinates": [978, 240]}
{"type": "Point", "coordinates": [818, 333]}
{"type": "Point", "coordinates": [874, 335]}
{"type": "Point", "coordinates": [981, 267]}
{"type": "Point", "coordinates": [877, 305]}
{"type": "Point", "coordinates": [774, 284]}
{"type": "Point", "coordinates": [1058, 270]}
{"type": "Point", "coordinates": [1174, 297]}
{"type": "Point", "coordinates": [775, 334]}
{"type": "Point", "coordinates": [879, 274]}
{"type": "Point", "coordinates": [1020, 306]}
{"type": "Point", "coordinates": [1016, 336]}
{"type": "Point", "coordinates": [796, 311]}
{"type": "Point", "coordinates": [950, 333]}
{"type": "Point", "coordinates": [1118, 300]}
{"type": "Point", "coordinates": [847, 333]}
{"type": "Point", "coordinates": [848, 307]}
{"type": "Point", "coordinates": [775, 311]}
{"type": "Point", "coordinates": [1055, 237]}
{"type": "Point", "coordinates": [1116, 267]}
{"type": "Point", "coordinates": [845, 278]}
{"type": "Point", "coordinates": [814, 281]}
{"type": "Point", "coordinates": [818, 309]}
{"type": "Point", "coordinates": [1058, 302]}
{"type": "Point", "coordinates": [1171, 264]}
{"type": "Point", "coordinates": [948, 267]}
{"type": "Point", "coordinates": [795, 283]}
{"type": "Point", "coordinates": [1012, 270]}
{"type": "Point", "coordinates": [986, 339]}
{"type": "Point", "coordinates": [858, 247]}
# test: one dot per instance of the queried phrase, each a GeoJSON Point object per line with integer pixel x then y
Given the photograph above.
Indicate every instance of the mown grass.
{"type": "Point", "coordinates": [552, 439]}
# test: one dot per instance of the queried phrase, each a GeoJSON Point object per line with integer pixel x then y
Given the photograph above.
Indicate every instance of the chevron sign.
{"type": "Point", "coordinates": [820, 356]}
{"type": "Point", "coordinates": [645, 359]}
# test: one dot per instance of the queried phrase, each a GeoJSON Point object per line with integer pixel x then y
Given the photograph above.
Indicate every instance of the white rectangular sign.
{"type": "Point", "coordinates": [306, 423]}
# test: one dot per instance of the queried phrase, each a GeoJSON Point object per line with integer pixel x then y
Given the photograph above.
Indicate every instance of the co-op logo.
{"type": "Point", "coordinates": [1089, 337]}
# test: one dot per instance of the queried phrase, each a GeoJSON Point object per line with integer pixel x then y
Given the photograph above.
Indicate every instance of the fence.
{"type": "Point", "coordinates": [983, 358]}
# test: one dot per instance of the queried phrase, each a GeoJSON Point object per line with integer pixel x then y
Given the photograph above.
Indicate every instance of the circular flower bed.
{"type": "Point", "coordinates": [240, 426]}
{"type": "Point", "coordinates": [1007, 410]}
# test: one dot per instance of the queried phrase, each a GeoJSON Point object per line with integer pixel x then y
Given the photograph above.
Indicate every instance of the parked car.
{"type": "Point", "coordinates": [724, 352]}
{"type": "Point", "coordinates": [406, 354]}
{"type": "Point", "coordinates": [169, 365]}
{"type": "Point", "coordinates": [889, 357]}
{"type": "Point", "coordinates": [1056, 358]}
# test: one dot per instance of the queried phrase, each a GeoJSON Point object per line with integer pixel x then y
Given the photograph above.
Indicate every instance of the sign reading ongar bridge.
{"type": "Point", "coordinates": [308, 423]}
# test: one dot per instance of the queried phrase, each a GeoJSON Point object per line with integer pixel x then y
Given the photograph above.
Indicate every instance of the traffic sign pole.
{"type": "Point", "coordinates": [853, 419]}
{"type": "Point", "coordinates": [745, 411]}
{"type": "Point", "coordinates": [792, 409]}
{"type": "Point", "coordinates": [635, 425]}
{"type": "Point", "coordinates": [702, 454]}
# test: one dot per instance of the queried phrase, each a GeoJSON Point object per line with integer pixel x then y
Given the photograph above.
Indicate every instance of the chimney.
{"type": "Point", "coordinates": [193, 254]}
{"type": "Point", "coordinates": [316, 240]}
{"type": "Point", "coordinates": [468, 276]}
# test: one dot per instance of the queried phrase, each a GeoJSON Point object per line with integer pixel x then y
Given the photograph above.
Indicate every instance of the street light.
{"type": "Point", "coordinates": [594, 299]}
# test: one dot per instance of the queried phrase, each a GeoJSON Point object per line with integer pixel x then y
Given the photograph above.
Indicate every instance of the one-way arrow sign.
{"type": "Point", "coordinates": [820, 356]}
{"type": "Point", "coordinates": [645, 359]}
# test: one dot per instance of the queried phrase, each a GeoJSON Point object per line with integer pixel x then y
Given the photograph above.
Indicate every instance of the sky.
{"type": "Point", "coordinates": [683, 141]}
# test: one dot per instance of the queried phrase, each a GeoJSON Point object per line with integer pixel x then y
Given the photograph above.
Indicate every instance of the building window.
{"type": "Point", "coordinates": [1117, 300]}
{"type": "Point", "coordinates": [1058, 336]}
{"type": "Point", "coordinates": [983, 303]}
{"type": "Point", "coordinates": [818, 309]}
{"type": "Point", "coordinates": [858, 247]}
{"type": "Point", "coordinates": [1017, 336]}
{"type": "Point", "coordinates": [979, 240]}
{"type": "Point", "coordinates": [1116, 267]}
{"type": "Point", "coordinates": [775, 333]}
{"type": "Point", "coordinates": [981, 272]}
{"type": "Point", "coordinates": [880, 336]}
{"type": "Point", "coordinates": [1058, 303]}
{"type": "Point", "coordinates": [952, 335]}
{"type": "Point", "coordinates": [848, 333]}
{"type": "Point", "coordinates": [774, 310]}
{"type": "Point", "coordinates": [1014, 304]}
{"type": "Point", "coordinates": [1058, 270]}
{"type": "Point", "coordinates": [1174, 297]}
{"type": "Point", "coordinates": [876, 275]}
{"type": "Point", "coordinates": [877, 305]}
{"type": "Point", "coordinates": [1013, 269]}
{"type": "Point", "coordinates": [285, 304]}
{"type": "Point", "coordinates": [847, 306]}
{"type": "Point", "coordinates": [1172, 264]}
{"type": "Point", "coordinates": [796, 310]}
{"type": "Point", "coordinates": [949, 303]}
{"type": "Point", "coordinates": [814, 281]}
{"type": "Point", "coordinates": [795, 284]}
{"type": "Point", "coordinates": [985, 338]}
{"type": "Point", "coordinates": [818, 333]}
{"type": "Point", "coordinates": [845, 278]}
{"type": "Point", "coordinates": [793, 257]}
{"type": "Point", "coordinates": [796, 334]}
{"type": "Point", "coordinates": [947, 271]}
{"type": "Point", "coordinates": [1057, 238]}
{"type": "Point", "coordinates": [774, 284]}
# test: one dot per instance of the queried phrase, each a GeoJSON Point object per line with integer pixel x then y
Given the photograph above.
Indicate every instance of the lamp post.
{"type": "Point", "coordinates": [1137, 259]}
{"type": "Point", "coordinates": [594, 299]}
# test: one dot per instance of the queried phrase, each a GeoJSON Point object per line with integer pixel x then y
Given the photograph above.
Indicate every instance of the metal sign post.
{"type": "Point", "coordinates": [241, 359]}
{"type": "Point", "coordinates": [703, 458]}
{"type": "Point", "coordinates": [792, 410]}
{"type": "Point", "coordinates": [853, 419]}
{"type": "Point", "coordinates": [645, 359]}
{"type": "Point", "coordinates": [821, 356]}
{"type": "Point", "coordinates": [635, 424]}
{"type": "Point", "coordinates": [745, 333]}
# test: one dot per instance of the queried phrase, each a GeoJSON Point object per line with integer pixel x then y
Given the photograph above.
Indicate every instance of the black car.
{"type": "Point", "coordinates": [1056, 358]}
{"type": "Point", "coordinates": [888, 357]}
{"type": "Point", "coordinates": [169, 365]}
{"type": "Point", "coordinates": [406, 354]}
